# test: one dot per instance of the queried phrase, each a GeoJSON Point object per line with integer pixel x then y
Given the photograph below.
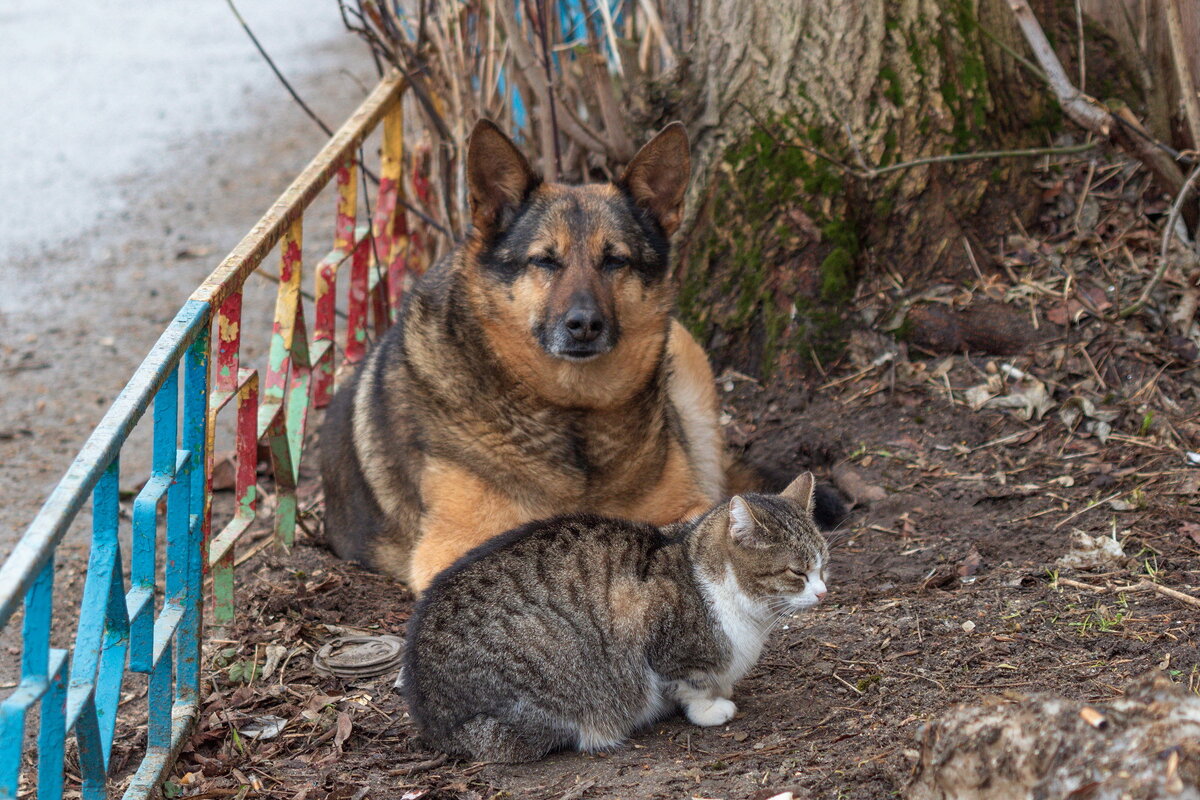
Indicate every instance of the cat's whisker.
{"type": "Point", "coordinates": [775, 623]}
{"type": "Point", "coordinates": [781, 608]}
{"type": "Point", "coordinates": [839, 535]}
{"type": "Point", "coordinates": [777, 604]}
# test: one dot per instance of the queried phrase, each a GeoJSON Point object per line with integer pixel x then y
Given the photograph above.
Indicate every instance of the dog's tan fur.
{"type": "Point", "coordinates": [462, 424]}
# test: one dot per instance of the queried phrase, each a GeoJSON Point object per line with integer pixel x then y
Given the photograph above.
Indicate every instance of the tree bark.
{"type": "Point", "coordinates": [1140, 745]}
{"type": "Point", "coordinates": [790, 103]}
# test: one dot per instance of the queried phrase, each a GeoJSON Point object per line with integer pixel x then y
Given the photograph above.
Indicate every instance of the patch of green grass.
{"type": "Point", "coordinates": [862, 684]}
{"type": "Point", "coordinates": [1052, 574]}
{"type": "Point", "coordinates": [1102, 619]}
{"type": "Point", "coordinates": [1139, 499]}
{"type": "Point", "coordinates": [244, 671]}
{"type": "Point", "coordinates": [1147, 424]}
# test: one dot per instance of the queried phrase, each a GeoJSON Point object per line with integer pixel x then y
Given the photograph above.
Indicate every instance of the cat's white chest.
{"type": "Point", "coordinates": [739, 618]}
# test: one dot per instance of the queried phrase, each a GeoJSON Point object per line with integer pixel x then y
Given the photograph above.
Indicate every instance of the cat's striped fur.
{"type": "Point", "coordinates": [576, 631]}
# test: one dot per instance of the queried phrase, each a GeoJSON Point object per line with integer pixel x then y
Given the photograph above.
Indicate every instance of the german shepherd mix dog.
{"type": "Point", "coordinates": [536, 371]}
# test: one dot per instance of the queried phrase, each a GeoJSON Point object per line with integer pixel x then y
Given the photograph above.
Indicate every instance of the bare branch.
{"type": "Point", "coordinates": [271, 63]}
{"type": "Point", "coordinates": [1084, 110]}
{"type": "Point", "coordinates": [1168, 232]}
{"type": "Point", "coordinates": [1183, 72]}
{"type": "Point", "coordinates": [526, 64]}
{"type": "Point", "coordinates": [544, 30]}
{"type": "Point", "coordinates": [1090, 113]}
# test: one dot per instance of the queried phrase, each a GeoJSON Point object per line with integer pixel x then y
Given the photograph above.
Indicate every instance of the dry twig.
{"type": "Point", "coordinates": [1168, 232]}
{"type": "Point", "coordinates": [1183, 72]}
{"type": "Point", "coordinates": [1089, 113]}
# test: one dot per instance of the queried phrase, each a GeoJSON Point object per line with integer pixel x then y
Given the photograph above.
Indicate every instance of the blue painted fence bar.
{"type": "Point", "coordinates": [84, 695]}
{"type": "Point", "coordinates": [143, 611]}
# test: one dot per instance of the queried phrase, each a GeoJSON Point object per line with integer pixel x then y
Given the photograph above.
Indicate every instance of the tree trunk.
{"type": "Point", "coordinates": [790, 103]}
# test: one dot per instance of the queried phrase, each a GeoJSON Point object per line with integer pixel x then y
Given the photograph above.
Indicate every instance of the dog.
{"type": "Point", "coordinates": [536, 370]}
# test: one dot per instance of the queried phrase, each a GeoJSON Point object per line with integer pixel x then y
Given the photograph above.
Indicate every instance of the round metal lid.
{"type": "Point", "coordinates": [359, 656]}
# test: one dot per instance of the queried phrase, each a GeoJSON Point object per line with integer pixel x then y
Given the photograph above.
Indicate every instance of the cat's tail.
{"type": "Point", "coordinates": [740, 477]}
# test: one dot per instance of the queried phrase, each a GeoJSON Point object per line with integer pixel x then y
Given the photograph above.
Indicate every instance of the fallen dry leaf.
{"type": "Point", "coordinates": [970, 565]}
{"type": "Point", "coordinates": [344, 727]}
{"type": "Point", "coordinates": [264, 728]}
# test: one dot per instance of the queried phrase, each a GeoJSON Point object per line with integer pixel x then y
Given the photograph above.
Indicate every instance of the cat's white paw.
{"type": "Point", "coordinates": [706, 713]}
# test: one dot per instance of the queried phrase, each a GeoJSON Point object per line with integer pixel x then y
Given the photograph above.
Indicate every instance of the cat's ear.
{"type": "Point", "coordinates": [657, 178]}
{"type": "Point", "coordinates": [741, 522]}
{"type": "Point", "coordinates": [498, 176]}
{"type": "Point", "coordinates": [801, 491]}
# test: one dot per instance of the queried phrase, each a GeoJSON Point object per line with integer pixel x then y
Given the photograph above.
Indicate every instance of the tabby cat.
{"type": "Point", "coordinates": [576, 631]}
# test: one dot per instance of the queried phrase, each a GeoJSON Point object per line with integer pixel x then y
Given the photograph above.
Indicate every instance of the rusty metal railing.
{"type": "Point", "coordinates": [155, 624]}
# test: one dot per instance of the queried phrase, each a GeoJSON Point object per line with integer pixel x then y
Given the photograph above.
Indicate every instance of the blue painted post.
{"type": "Point", "coordinates": [35, 652]}
{"type": "Point", "coordinates": [97, 667]}
{"type": "Point", "coordinates": [115, 645]}
{"type": "Point", "coordinates": [165, 461]}
{"type": "Point", "coordinates": [52, 737]}
{"type": "Point", "coordinates": [159, 697]}
{"type": "Point", "coordinates": [53, 734]}
{"type": "Point", "coordinates": [91, 754]}
{"type": "Point", "coordinates": [12, 737]}
{"type": "Point", "coordinates": [36, 661]}
{"type": "Point", "coordinates": [178, 510]}
{"type": "Point", "coordinates": [195, 420]}
{"type": "Point", "coordinates": [179, 556]}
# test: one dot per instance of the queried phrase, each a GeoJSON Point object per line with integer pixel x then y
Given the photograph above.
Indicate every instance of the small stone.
{"type": "Point", "coordinates": [968, 626]}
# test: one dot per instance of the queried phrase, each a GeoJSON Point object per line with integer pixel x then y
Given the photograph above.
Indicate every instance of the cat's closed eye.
{"type": "Point", "coordinates": [798, 573]}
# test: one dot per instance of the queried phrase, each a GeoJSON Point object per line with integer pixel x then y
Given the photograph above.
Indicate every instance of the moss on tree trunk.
{"type": "Point", "coordinates": [789, 102]}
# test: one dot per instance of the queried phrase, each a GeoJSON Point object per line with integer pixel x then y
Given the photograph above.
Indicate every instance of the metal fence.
{"type": "Point", "coordinates": [154, 624]}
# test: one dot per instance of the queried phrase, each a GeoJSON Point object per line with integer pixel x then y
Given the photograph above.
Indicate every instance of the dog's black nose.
{"type": "Point", "coordinates": [584, 321]}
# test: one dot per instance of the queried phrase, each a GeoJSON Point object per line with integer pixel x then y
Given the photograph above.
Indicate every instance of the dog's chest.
{"type": "Point", "coordinates": [573, 456]}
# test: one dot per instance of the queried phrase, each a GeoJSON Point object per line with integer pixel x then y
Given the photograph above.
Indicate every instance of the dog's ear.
{"type": "Point", "coordinates": [498, 176]}
{"type": "Point", "coordinates": [658, 175]}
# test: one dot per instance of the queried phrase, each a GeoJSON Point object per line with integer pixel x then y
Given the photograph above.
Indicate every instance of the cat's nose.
{"type": "Point", "coordinates": [819, 589]}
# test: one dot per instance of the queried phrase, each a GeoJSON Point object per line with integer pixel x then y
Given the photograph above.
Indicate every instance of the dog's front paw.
{"type": "Point", "coordinates": [706, 713]}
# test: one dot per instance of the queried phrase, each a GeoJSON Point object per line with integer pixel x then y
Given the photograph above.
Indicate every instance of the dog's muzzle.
{"type": "Point", "coordinates": [580, 334]}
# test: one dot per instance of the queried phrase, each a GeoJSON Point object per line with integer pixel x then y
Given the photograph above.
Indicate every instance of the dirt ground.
{"type": "Point", "coordinates": [946, 591]}
{"type": "Point", "coordinates": [975, 475]}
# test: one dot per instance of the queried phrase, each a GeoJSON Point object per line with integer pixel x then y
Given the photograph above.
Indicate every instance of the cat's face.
{"type": "Point", "coordinates": [777, 554]}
